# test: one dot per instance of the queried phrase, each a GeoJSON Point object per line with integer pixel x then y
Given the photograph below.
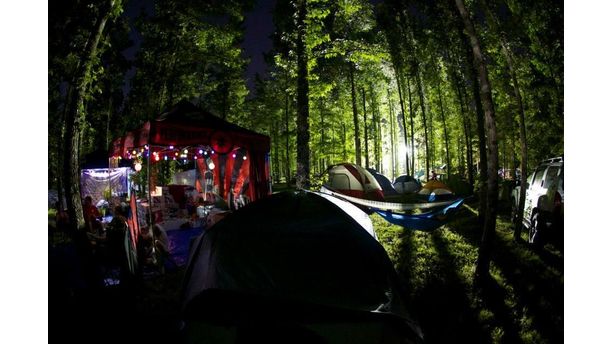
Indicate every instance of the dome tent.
{"type": "Point", "coordinates": [384, 182]}
{"type": "Point", "coordinates": [353, 180]}
{"type": "Point", "coordinates": [405, 184]}
{"type": "Point", "coordinates": [436, 190]}
{"type": "Point", "coordinates": [293, 266]}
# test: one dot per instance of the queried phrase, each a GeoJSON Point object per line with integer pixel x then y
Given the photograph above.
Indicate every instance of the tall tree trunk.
{"type": "Point", "coordinates": [448, 162]}
{"type": "Point", "coordinates": [468, 137]}
{"type": "Point", "coordinates": [287, 147]}
{"type": "Point", "coordinates": [424, 113]}
{"type": "Point", "coordinates": [484, 254]}
{"type": "Point", "coordinates": [480, 129]}
{"type": "Point", "coordinates": [355, 115]}
{"type": "Point", "coordinates": [401, 99]}
{"type": "Point", "coordinates": [377, 138]}
{"type": "Point", "coordinates": [75, 118]}
{"type": "Point", "coordinates": [303, 129]}
{"type": "Point", "coordinates": [411, 109]}
{"type": "Point", "coordinates": [365, 129]}
{"type": "Point", "coordinates": [391, 132]}
{"type": "Point", "coordinates": [518, 225]}
{"type": "Point", "coordinates": [323, 153]}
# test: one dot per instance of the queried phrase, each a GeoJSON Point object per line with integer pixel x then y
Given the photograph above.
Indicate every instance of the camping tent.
{"type": "Point", "coordinates": [237, 157]}
{"type": "Point", "coordinates": [436, 190]}
{"type": "Point", "coordinates": [353, 180]}
{"type": "Point", "coordinates": [384, 182]}
{"type": "Point", "coordinates": [292, 267]}
{"type": "Point", "coordinates": [406, 184]}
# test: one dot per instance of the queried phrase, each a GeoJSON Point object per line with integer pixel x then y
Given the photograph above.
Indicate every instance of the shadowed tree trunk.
{"type": "Point", "coordinates": [411, 109]}
{"type": "Point", "coordinates": [287, 148]}
{"type": "Point", "coordinates": [391, 132]}
{"type": "Point", "coordinates": [401, 99]}
{"type": "Point", "coordinates": [448, 162]}
{"type": "Point", "coordinates": [518, 225]}
{"type": "Point", "coordinates": [303, 129]}
{"type": "Point", "coordinates": [424, 113]}
{"type": "Point", "coordinates": [365, 130]}
{"type": "Point", "coordinates": [75, 118]}
{"type": "Point", "coordinates": [355, 115]}
{"type": "Point", "coordinates": [484, 252]}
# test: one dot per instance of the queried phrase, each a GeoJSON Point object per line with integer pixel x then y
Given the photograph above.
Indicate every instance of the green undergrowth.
{"type": "Point", "coordinates": [521, 301]}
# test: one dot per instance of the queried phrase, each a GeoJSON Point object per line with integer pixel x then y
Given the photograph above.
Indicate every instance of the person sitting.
{"type": "Point", "coordinates": [91, 216]}
{"type": "Point", "coordinates": [162, 248]}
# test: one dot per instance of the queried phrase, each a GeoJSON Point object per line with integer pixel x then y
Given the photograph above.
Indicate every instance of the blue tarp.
{"type": "Point", "coordinates": [423, 222]}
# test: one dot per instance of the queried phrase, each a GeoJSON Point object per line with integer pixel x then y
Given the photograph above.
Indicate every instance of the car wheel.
{"type": "Point", "coordinates": [535, 230]}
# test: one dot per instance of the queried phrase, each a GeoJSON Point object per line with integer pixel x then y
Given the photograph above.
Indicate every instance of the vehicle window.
{"type": "Point", "coordinates": [551, 176]}
{"type": "Point", "coordinates": [530, 180]}
{"type": "Point", "coordinates": [538, 176]}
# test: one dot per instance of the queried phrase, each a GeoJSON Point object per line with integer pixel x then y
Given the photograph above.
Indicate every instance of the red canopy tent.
{"type": "Point", "coordinates": [237, 157]}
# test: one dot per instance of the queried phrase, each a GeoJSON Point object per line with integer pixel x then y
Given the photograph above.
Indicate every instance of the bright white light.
{"type": "Point", "coordinates": [165, 157]}
{"type": "Point", "coordinates": [234, 155]}
{"type": "Point", "coordinates": [212, 152]}
{"type": "Point", "coordinates": [185, 151]}
{"type": "Point", "coordinates": [211, 165]}
{"type": "Point", "coordinates": [244, 157]}
{"type": "Point", "coordinates": [138, 166]}
{"type": "Point", "coordinates": [200, 151]}
{"type": "Point", "coordinates": [171, 147]}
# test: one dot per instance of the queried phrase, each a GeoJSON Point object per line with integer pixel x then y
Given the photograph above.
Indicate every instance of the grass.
{"type": "Point", "coordinates": [521, 302]}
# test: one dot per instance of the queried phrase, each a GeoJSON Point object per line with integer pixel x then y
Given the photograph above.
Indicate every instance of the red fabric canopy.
{"type": "Point", "coordinates": [186, 125]}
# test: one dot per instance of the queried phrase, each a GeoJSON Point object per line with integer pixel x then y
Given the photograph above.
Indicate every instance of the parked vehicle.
{"type": "Point", "coordinates": [543, 211]}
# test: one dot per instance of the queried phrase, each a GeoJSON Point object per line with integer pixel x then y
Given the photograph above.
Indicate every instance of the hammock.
{"type": "Point", "coordinates": [426, 222]}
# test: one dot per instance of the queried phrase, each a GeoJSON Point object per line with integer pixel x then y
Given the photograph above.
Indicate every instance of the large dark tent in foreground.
{"type": "Point", "coordinates": [293, 267]}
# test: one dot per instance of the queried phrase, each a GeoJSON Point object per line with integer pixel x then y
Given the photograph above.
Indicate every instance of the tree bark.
{"type": "Point", "coordinates": [355, 115]}
{"type": "Point", "coordinates": [303, 128]}
{"type": "Point", "coordinates": [391, 132]}
{"type": "Point", "coordinates": [518, 221]}
{"type": "Point", "coordinates": [484, 254]}
{"type": "Point", "coordinates": [75, 118]}
{"type": "Point", "coordinates": [423, 112]}
{"type": "Point", "coordinates": [448, 162]}
{"type": "Point", "coordinates": [411, 109]}
{"type": "Point", "coordinates": [365, 129]}
{"type": "Point", "coordinates": [287, 147]}
{"type": "Point", "coordinates": [401, 99]}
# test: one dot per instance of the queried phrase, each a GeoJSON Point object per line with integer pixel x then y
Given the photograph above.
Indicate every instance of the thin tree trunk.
{"type": "Point", "coordinates": [401, 99]}
{"type": "Point", "coordinates": [365, 130]}
{"type": "Point", "coordinates": [482, 146]}
{"type": "Point", "coordinates": [519, 102]}
{"type": "Point", "coordinates": [423, 112]}
{"type": "Point", "coordinates": [287, 148]}
{"type": "Point", "coordinates": [303, 128]}
{"type": "Point", "coordinates": [448, 162]}
{"type": "Point", "coordinates": [391, 132]}
{"type": "Point", "coordinates": [355, 115]}
{"type": "Point", "coordinates": [74, 120]}
{"type": "Point", "coordinates": [411, 109]}
{"type": "Point", "coordinates": [484, 254]}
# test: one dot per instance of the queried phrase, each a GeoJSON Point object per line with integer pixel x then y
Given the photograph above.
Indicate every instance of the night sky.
{"type": "Point", "coordinates": [258, 29]}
